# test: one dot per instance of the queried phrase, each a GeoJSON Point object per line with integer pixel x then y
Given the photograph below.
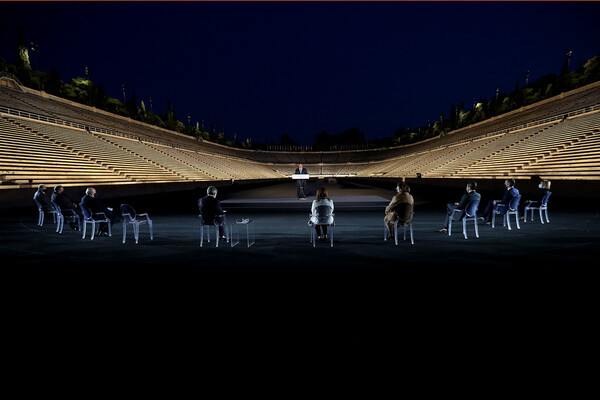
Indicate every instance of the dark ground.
{"type": "Point", "coordinates": [281, 290]}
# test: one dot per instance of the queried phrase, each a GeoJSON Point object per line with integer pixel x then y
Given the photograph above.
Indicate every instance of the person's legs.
{"type": "Point", "coordinates": [318, 229]}
{"type": "Point", "coordinates": [220, 222]}
{"type": "Point", "coordinates": [450, 207]}
{"type": "Point", "coordinates": [487, 213]}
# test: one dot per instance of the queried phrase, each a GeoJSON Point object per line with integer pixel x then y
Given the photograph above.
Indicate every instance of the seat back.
{"type": "Point", "coordinates": [514, 203]}
{"type": "Point", "coordinates": [404, 212]}
{"type": "Point", "coordinates": [87, 213]}
{"type": "Point", "coordinates": [545, 199]}
{"type": "Point", "coordinates": [471, 208]}
{"type": "Point", "coordinates": [127, 209]}
{"type": "Point", "coordinates": [56, 207]}
{"type": "Point", "coordinates": [323, 213]}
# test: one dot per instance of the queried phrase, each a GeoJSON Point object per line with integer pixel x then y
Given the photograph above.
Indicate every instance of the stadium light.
{"type": "Point", "coordinates": [569, 54]}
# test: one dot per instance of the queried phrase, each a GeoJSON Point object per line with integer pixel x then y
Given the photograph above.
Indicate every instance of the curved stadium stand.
{"type": "Point", "coordinates": [47, 139]}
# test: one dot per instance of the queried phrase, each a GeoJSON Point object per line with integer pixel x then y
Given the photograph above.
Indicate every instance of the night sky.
{"type": "Point", "coordinates": [268, 68]}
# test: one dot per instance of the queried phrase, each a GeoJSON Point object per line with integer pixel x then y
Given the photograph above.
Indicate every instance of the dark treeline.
{"type": "Point", "coordinates": [83, 90]}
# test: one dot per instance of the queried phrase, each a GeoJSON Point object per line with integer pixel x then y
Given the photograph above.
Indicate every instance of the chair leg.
{"type": "Point", "coordinates": [84, 229]}
{"type": "Point", "coordinates": [541, 217]}
{"type": "Point", "coordinates": [42, 218]}
{"type": "Point", "coordinates": [546, 211]}
{"type": "Point", "coordinates": [517, 219]}
{"type": "Point", "coordinates": [396, 233]}
{"type": "Point", "coordinates": [93, 230]}
{"type": "Point", "coordinates": [151, 231]}
{"type": "Point", "coordinates": [507, 220]}
{"type": "Point", "coordinates": [450, 226]}
{"type": "Point", "coordinates": [493, 219]}
{"type": "Point", "coordinates": [476, 227]}
{"type": "Point", "coordinates": [136, 232]}
{"type": "Point", "coordinates": [465, 227]}
{"type": "Point", "coordinates": [201, 235]}
{"type": "Point", "coordinates": [331, 231]}
{"type": "Point", "coordinates": [124, 230]}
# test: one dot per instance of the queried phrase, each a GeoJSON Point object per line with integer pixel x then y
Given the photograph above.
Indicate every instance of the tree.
{"type": "Point", "coordinates": [131, 105]}
{"type": "Point", "coordinates": [23, 64]}
{"type": "Point", "coordinates": [287, 141]}
{"type": "Point", "coordinates": [323, 141]}
{"type": "Point", "coordinates": [54, 84]}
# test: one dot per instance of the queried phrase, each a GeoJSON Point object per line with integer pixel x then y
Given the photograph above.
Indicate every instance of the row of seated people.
{"type": "Point", "coordinates": [496, 206]}
{"type": "Point", "coordinates": [69, 208]}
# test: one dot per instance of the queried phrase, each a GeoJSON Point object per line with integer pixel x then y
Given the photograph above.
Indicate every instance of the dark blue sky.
{"type": "Point", "coordinates": [264, 69]}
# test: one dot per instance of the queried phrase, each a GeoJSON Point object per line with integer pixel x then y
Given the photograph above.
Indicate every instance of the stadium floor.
{"type": "Point", "coordinates": [349, 289]}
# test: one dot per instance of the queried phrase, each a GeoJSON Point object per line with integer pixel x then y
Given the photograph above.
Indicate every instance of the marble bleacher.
{"type": "Point", "coordinates": [534, 139]}
{"type": "Point", "coordinates": [28, 158]}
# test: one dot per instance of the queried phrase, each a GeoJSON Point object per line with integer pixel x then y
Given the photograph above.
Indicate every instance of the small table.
{"type": "Point", "coordinates": [235, 234]}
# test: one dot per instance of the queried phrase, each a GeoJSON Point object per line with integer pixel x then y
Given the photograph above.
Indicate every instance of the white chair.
{"type": "Point", "coordinates": [470, 215]}
{"type": "Point", "coordinates": [402, 210]}
{"type": "Point", "coordinates": [130, 217]}
{"type": "Point", "coordinates": [93, 218]}
{"type": "Point", "coordinates": [71, 214]}
{"type": "Point", "coordinates": [206, 225]}
{"type": "Point", "coordinates": [324, 217]}
{"type": "Point", "coordinates": [542, 207]}
{"type": "Point", "coordinates": [41, 213]}
{"type": "Point", "coordinates": [507, 210]}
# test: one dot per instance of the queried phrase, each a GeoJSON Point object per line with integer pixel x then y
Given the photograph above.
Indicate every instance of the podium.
{"type": "Point", "coordinates": [301, 180]}
{"type": "Point", "coordinates": [300, 176]}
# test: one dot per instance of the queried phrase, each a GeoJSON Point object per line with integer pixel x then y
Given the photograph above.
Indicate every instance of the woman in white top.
{"type": "Point", "coordinates": [322, 213]}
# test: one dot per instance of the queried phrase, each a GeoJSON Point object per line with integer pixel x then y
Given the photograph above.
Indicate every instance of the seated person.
{"type": "Point", "coordinates": [40, 197]}
{"type": "Point", "coordinates": [400, 208]}
{"type": "Point", "coordinates": [470, 196]}
{"type": "Point", "coordinates": [67, 207]}
{"type": "Point", "coordinates": [91, 201]}
{"type": "Point", "coordinates": [543, 189]}
{"type": "Point", "coordinates": [211, 211]}
{"type": "Point", "coordinates": [316, 219]}
{"type": "Point", "coordinates": [494, 205]}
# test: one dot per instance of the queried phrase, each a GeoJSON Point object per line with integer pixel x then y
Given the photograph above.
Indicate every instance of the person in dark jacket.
{"type": "Point", "coordinates": [40, 197]}
{"type": "Point", "coordinates": [543, 189]}
{"type": "Point", "coordinates": [91, 201]}
{"type": "Point", "coordinates": [509, 194]}
{"type": "Point", "coordinates": [211, 211]}
{"type": "Point", "coordinates": [67, 206]}
{"type": "Point", "coordinates": [301, 183]}
{"type": "Point", "coordinates": [468, 197]}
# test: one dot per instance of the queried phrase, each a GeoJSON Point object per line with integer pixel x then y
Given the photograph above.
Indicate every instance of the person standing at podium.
{"type": "Point", "coordinates": [301, 183]}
